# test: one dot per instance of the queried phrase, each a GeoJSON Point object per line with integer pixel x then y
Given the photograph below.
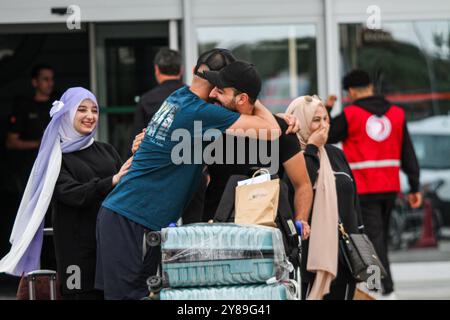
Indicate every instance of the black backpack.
{"type": "Point", "coordinates": [284, 220]}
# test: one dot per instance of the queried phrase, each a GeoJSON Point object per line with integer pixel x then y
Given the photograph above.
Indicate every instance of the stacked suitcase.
{"type": "Point", "coordinates": [222, 261]}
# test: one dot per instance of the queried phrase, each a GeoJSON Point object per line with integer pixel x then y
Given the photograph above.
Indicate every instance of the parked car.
{"type": "Point", "coordinates": [408, 227]}
{"type": "Point", "coordinates": [431, 139]}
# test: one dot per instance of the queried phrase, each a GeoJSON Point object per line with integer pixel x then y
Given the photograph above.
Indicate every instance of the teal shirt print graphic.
{"type": "Point", "coordinates": [159, 127]}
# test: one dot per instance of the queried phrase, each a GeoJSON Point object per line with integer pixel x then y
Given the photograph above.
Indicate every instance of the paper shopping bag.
{"type": "Point", "coordinates": [257, 203]}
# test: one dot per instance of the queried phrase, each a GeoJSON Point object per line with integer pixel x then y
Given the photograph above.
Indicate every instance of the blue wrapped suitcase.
{"type": "Point", "coordinates": [222, 254]}
{"type": "Point", "coordinates": [277, 291]}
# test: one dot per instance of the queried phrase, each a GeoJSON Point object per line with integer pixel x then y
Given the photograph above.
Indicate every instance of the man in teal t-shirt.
{"type": "Point", "coordinates": [157, 187]}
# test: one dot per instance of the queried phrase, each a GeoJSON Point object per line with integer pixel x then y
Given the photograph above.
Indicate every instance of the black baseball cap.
{"type": "Point", "coordinates": [356, 78]}
{"type": "Point", "coordinates": [215, 59]}
{"type": "Point", "coordinates": [240, 75]}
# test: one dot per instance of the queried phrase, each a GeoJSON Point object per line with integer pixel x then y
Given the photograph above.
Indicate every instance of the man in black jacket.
{"type": "Point", "coordinates": [238, 93]}
{"type": "Point", "coordinates": [168, 71]}
{"type": "Point", "coordinates": [377, 145]}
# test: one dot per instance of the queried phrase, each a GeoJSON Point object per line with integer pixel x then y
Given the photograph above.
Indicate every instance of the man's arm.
{"type": "Point", "coordinates": [409, 162]}
{"type": "Point", "coordinates": [16, 126]}
{"type": "Point", "coordinates": [13, 142]}
{"type": "Point", "coordinates": [296, 171]}
{"type": "Point", "coordinates": [260, 125]}
{"type": "Point", "coordinates": [338, 128]}
{"type": "Point", "coordinates": [410, 166]}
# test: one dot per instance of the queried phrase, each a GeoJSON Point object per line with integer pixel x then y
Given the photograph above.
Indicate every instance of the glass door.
{"type": "Point", "coordinates": [125, 54]}
{"type": "Point", "coordinates": [285, 56]}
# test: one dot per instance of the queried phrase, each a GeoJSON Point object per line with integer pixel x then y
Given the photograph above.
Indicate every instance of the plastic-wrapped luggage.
{"type": "Point", "coordinates": [222, 254]}
{"type": "Point", "coordinates": [279, 291]}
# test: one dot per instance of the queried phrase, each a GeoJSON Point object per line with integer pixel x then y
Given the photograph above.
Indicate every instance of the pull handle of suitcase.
{"type": "Point", "coordinates": [32, 277]}
{"type": "Point", "coordinates": [48, 231]}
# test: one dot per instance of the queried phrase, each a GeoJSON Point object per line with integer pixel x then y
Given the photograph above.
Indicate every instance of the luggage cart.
{"type": "Point", "coordinates": [262, 285]}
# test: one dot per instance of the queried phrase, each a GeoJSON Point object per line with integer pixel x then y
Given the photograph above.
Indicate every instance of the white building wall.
{"type": "Point", "coordinates": [39, 11]}
{"type": "Point", "coordinates": [392, 9]}
{"type": "Point", "coordinates": [207, 12]}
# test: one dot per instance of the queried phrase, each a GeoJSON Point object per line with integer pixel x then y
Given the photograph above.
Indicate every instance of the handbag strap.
{"type": "Point", "coordinates": [341, 228]}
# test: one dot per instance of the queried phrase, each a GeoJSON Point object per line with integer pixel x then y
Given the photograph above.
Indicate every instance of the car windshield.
{"type": "Point", "coordinates": [433, 151]}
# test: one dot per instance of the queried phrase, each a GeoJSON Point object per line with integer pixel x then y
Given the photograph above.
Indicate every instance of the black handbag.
{"type": "Point", "coordinates": [359, 255]}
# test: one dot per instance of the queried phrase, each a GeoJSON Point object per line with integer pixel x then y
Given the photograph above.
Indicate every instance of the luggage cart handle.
{"type": "Point", "coordinates": [33, 275]}
{"type": "Point", "coordinates": [42, 273]}
{"type": "Point", "coordinates": [299, 227]}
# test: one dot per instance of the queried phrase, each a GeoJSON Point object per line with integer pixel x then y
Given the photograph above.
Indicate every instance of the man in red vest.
{"type": "Point", "coordinates": [377, 145]}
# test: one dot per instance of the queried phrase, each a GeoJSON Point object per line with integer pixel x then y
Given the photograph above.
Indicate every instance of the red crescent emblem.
{"type": "Point", "coordinates": [378, 128]}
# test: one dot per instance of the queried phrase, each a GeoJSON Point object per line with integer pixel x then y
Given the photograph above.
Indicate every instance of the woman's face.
{"type": "Point", "coordinates": [320, 119]}
{"type": "Point", "coordinates": [86, 117]}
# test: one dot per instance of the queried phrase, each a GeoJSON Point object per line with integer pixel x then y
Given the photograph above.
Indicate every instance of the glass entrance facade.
{"type": "Point", "coordinates": [284, 55]}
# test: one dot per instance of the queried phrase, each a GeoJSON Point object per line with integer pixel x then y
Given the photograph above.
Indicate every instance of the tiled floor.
{"type": "Point", "coordinates": [418, 274]}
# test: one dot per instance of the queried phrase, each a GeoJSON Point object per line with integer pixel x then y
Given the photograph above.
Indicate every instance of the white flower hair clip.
{"type": "Point", "coordinates": [57, 106]}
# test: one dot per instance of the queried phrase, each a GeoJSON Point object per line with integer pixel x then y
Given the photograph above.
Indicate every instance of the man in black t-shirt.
{"type": "Point", "coordinates": [239, 93]}
{"type": "Point", "coordinates": [27, 122]}
{"type": "Point", "coordinates": [288, 148]}
{"type": "Point", "coordinates": [30, 116]}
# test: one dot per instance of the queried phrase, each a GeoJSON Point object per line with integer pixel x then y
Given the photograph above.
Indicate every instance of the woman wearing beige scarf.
{"type": "Point", "coordinates": [335, 195]}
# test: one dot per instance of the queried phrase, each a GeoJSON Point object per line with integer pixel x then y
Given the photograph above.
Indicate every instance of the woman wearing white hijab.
{"type": "Point", "coordinates": [75, 173]}
{"type": "Point", "coordinates": [324, 275]}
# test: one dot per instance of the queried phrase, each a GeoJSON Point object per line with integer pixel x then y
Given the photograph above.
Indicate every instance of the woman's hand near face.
{"type": "Point", "coordinates": [319, 127]}
{"type": "Point", "coordinates": [123, 171]}
{"type": "Point", "coordinates": [319, 137]}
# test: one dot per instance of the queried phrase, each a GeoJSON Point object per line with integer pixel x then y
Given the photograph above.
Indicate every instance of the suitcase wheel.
{"type": "Point", "coordinates": [154, 284]}
{"type": "Point", "coordinates": [153, 239]}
